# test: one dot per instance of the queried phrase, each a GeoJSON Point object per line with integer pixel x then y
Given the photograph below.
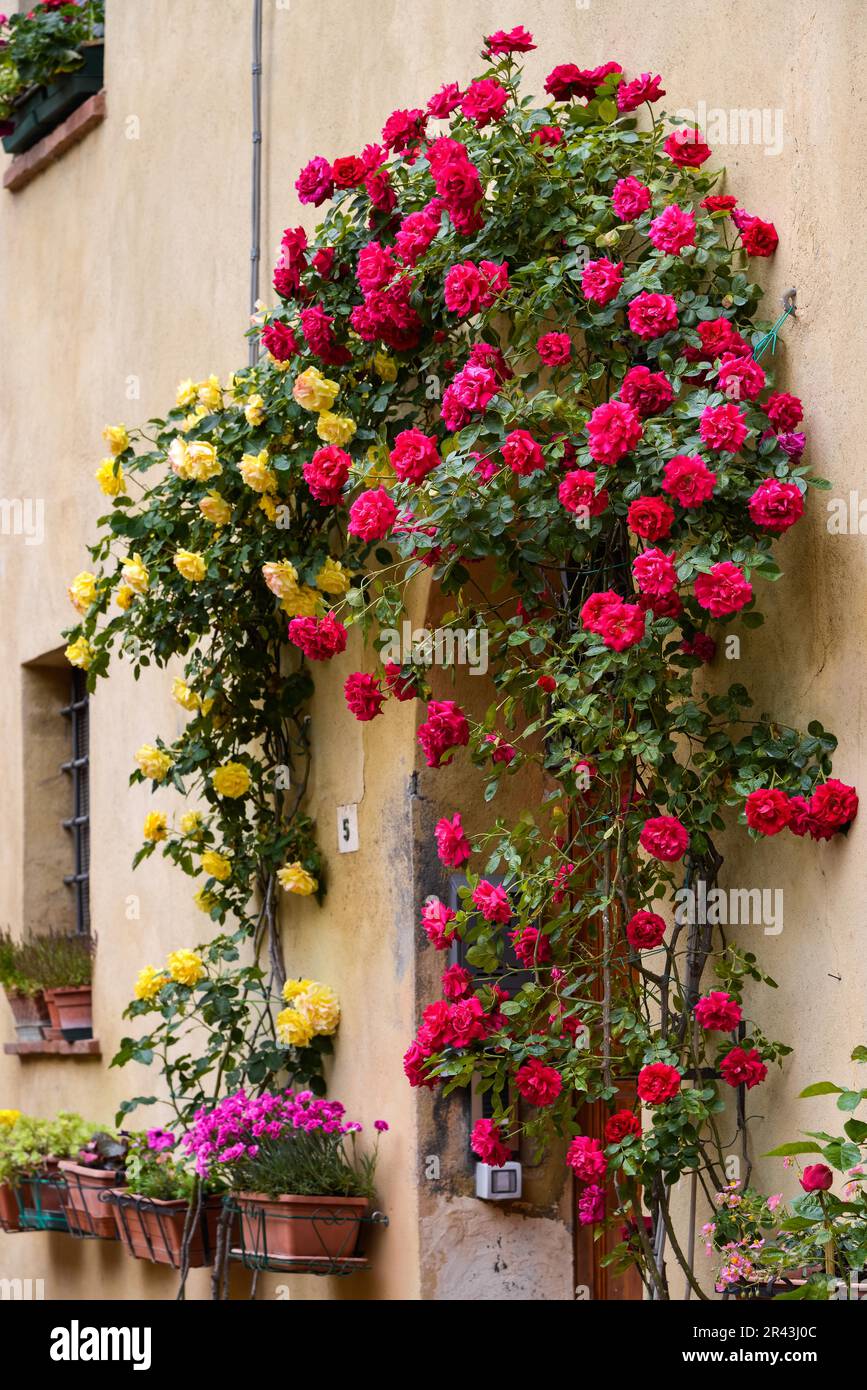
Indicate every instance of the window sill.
{"type": "Point", "coordinates": [25, 167]}
{"type": "Point", "coordinates": [87, 1047]}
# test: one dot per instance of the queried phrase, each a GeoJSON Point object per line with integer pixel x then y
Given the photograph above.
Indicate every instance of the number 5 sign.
{"type": "Point", "coordinates": [347, 828]}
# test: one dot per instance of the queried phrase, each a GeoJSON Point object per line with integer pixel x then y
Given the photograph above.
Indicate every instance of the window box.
{"type": "Point", "coordinates": [42, 109]}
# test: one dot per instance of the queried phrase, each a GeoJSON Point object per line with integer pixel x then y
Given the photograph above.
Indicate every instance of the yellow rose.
{"type": "Point", "coordinates": [254, 410]}
{"type": "Point", "coordinates": [124, 597]}
{"type": "Point", "coordinates": [321, 1007]}
{"type": "Point", "coordinates": [256, 473]}
{"type": "Point", "coordinates": [232, 779]}
{"type": "Point", "coordinates": [191, 565]}
{"type": "Point", "coordinates": [186, 698]}
{"type": "Point", "coordinates": [149, 983]}
{"type": "Point", "coordinates": [281, 577]}
{"type": "Point", "coordinates": [155, 826]}
{"type": "Point", "coordinates": [209, 394]}
{"type": "Point", "coordinates": [191, 824]}
{"type": "Point", "coordinates": [335, 429]}
{"type": "Point", "coordinates": [215, 509]}
{"type": "Point", "coordinates": [79, 653]}
{"type": "Point", "coordinates": [293, 988]}
{"type": "Point", "coordinates": [178, 457]}
{"type": "Point", "coordinates": [82, 591]}
{"type": "Point", "coordinates": [216, 865]}
{"type": "Point", "coordinates": [205, 900]}
{"type": "Point", "coordinates": [302, 602]}
{"type": "Point", "coordinates": [153, 763]}
{"type": "Point", "coordinates": [185, 967]}
{"type": "Point", "coordinates": [116, 438]}
{"type": "Point", "coordinates": [293, 1029]}
{"type": "Point", "coordinates": [294, 878]}
{"type": "Point", "coordinates": [9, 1117]}
{"type": "Point", "coordinates": [186, 393]}
{"type": "Point", "coordinates": [110, 477]}
{"type": "Point", "coordinates": [135, 574]}
{"type": "Point", "coordinates": [202, 461]}
{"type": "Point", "coordinates": [313, 391]}
{"type": "Point", "coordinates": [385, 366]}
{"type": "Point", "coordinates": [332, 578]}
{"type": "Point", "coordinates": [268, 506]}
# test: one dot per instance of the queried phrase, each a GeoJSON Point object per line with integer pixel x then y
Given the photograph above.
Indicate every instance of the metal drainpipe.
{"type": "Point", "coordinates": [256, 192]}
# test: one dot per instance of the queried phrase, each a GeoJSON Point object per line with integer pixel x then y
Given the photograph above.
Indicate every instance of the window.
{"type": "Point", "coordinates": [77, 768]}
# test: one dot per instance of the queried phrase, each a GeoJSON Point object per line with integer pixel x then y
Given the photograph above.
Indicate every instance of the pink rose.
{"type": "Point", "coordinates": [326, 474]}
{"type": "Point", "coordinates": [537, 1083]}
{"type": "Point", "coordinates": [485, 101]}
{"type": "Point", "coordinates": [453, 847]}
{"type": "Point", "coordinates": [577, 492]}
{"type": "Point", "coordinates": [554, 348]}
{"type": "Point", "coordinates": [372, 515]}
{"type": "Point", "coordinates": [686, 148]}
{"type": "Point", "coordinates": [522, 454]}
{"type": "Point", "coordinates": [613, 428]}
{"type": "Point", "coordinates": [650, 393]}
{"type": "Point", "coordinates": [657, 1083]}
{"type": "Point", "coordinates": [672, 230]}
{"type": "Point", "coordinates": [364, 696]}
{"type": "Point", "coordinates": [740, 1068]}
{"type": "Point", "coordinates": [688, 480]}
{"type": "Point", "coordinates": [436, 921]}
{"type": "Point", "coordinates": [601, 280]}
{"type": "Point", "coordinates": [654, 573]}
{"type": "Point", "coordinates": [586, 1158]}
{"type": "Point", "coordinates": [492, 901]}
{"type": "Point", "coordinates": [776, 506]}
{"type": "Point", "coordinates": [487, 1143]}
{"type": "Point", "coordinates": [315, 183]}
{"type": "Point", "coordinates": [630, 198]}
{"type": "Point", "coordinates": [631, 95]}
{"type": "Point", "coordinates": [723, 427]}
{"type": "Point", "coordinates": [414, 456]}
{"type": "Point", "coordinates": [718, 1012]}
{"type": "Point", "coordinates": [445, 728]}
{"type": "Point", "coordinates": [817, 1177]}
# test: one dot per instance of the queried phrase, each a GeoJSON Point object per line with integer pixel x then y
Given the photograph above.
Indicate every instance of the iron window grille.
{"type": "Point", "coordinates": [78, 824]}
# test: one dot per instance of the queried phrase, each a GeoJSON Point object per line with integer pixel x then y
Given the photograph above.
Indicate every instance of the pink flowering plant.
{"type": "Point", "coordinates": [542, 323]}
{"type": "Point", "coordinates": [281, 1143]}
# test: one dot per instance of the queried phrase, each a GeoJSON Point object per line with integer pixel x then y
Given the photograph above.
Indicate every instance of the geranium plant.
{"type": "Point", "coordinates": [39, 44]}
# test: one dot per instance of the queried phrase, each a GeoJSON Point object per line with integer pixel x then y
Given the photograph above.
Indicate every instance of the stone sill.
{"type": "Point", "coordinates": [86, 1047]}
{"type": "Point", "coordinates": [25, 167]}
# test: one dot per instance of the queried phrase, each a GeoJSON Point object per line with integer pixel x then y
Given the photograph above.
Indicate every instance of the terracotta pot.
{"type": "Point", "coordinates": [30, 1015]}
{"type": "Point", "coordinates": [10, 1217]}
{"type": "Point", "coordinates": [86, 1214]}
{"type": "Point", "coordinates": [153, 1229]}
{"type": "Point", "coordinates": [293, 1227]}
{"type": "Point", "coordinates": [53, 1016]}
{"type": "Point", "coordinates": [74, 1010]}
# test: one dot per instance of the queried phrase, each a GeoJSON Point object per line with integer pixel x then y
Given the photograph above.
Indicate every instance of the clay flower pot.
{"type": "Point", "coordinates": [10, 1216]}
{"type": "Point", "coordinates": [74, 1006]}
{"type": "Point", "coordinates": [30, 1014]}
{"type": "Point", "coordinates": [153, 1229]}
{"type": "Point", "coordinates": [293, 1227]}
{"type": "Point", "coordinates": [86, 1213]}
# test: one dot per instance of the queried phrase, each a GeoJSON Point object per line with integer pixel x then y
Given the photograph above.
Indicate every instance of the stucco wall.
{"type": "Point", "coordinates": [125, 267]}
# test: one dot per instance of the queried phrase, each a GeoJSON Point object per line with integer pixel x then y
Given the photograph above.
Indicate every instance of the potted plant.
{"type": "Point", "coordinates": [297, 1178]}
{"type": "Point", "coordinates": [25, 996]}
{"type": "Point", "coordinates": [51, 60]}
{"type": "Point", "coordinates": [98, 1166]}
{"type": "Point", "coordinates": [165, 1202]}
{"type": "Point", "coordinates": [30, 1154]}
{"type": "Point", "coordinates": [64, 966]}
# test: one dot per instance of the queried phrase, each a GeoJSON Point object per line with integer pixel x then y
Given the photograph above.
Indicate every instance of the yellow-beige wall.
{"type": "Point", "coordinates": [125, 268]}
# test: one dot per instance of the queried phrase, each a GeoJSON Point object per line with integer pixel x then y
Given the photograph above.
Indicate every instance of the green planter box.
{"type": "Point", "coordinates": [45, 107]}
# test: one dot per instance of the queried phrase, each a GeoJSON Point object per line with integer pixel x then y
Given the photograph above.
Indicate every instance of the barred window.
{"type": "Point", "coordinates": [77, 768]}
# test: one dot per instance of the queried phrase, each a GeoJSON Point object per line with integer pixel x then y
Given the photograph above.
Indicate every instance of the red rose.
{"type": "Point", "coordinates": [654, 573]}
{"type": "Point", "coordinates": [672, 230]}
{"type": "Point", "coordinates": [686, 148]}
{"type": "Point", "coordinates": [456, 982]}
{"type": "Point", "coordinates": [445, 101]}
{"type": "Point", "coordinates": [444, 729]}
{"type": "Point", "coordinates": [578, 491]}
{"type": "Point", "coordinates": [665, 837]}
{"type": "Point", "coordinates": [586, 1159]}
{"type": "Point", "coordinates": [650, 517]}
{"type": "Point", "coordinates": [414, 1065]}
{"type": "Point", "coordinates": [723, 590]}
{"type": "Point", "coordinates": [740, 1068]}
{"type": "Point", "coordinates": [487, 1143]}
{"type": "Point", "coordinates": [657, 1083]}
{"type": "Point", "coordinates": [485, 101]}
{"type": "Point", "coordinates": [547, 683]}
{"type": "Point", "coordinates": [652, 315]}
{"type": "Point", "coordinates": [315, 183]}
{"type": "Point", "coordinates": [364, 696]}
{"type": "Point", "coordinates": [467, 1022]}
{"type": "Point", "coordinates": [414, 456]}
{"type": "Point", "coordinates": [817, 1177]}
{"type": "Point", "coordinates": [601, 280]}
{"type": "Point", "coordinates": [326, 474]}
{"type": "Point", "coordinates": [645, 930]}
{"type": "Point", "coordinates": [372, 515]}
{"type": "Point", "coordinates": [348, 172]}
{"type": "Point", "coordinates": [631, 95]}
{"type": "Point", "coordinates": [538, 1084]}
{"type": "Point", "coordinates": [630, 198]}
{"type": "Point", "coordinates": [279, 340]}
{"type": "Point", "coordinates": [776, 506]}
{"type": "Point", "coordinates": [768, 811]}
{"type": "Point", "coordinates": [740, 378]}
{"type": "Point", "coordinates": [718, 1012]}
{"type": "Point", "coordinates": [436, 921]}
{"type": "Point", "coordinates": [719, 202]}
{"type": "Point", "coordinates": [784, 411]}
{"type": "Point", "coordinates": [833, 806]}
{"type": "Point", "coordinates": [700, 646]}
{"type": "Point", "coordinates": [319, 638]}
{"type": "Point", "coordinates": [757, 237]}
{"type": "Point", "coordinates": [621, 625]}
{"type": "Point", "coordinates": [650, 393]}
{"type": "Point", "coordinates": [621, 1124]}
{"type": "Point", "coordinates": [554, 348]}
{"type": "Point", "coordinates": [613, 429]}
{"type": "Point", "coordinates": [522, 454]}
{"type": "Point", "coordinates": [453, 847]}
{"type": "Point", "coordinates": [530, 946]}
{"type": "Point", "coordinates": [723, 427]}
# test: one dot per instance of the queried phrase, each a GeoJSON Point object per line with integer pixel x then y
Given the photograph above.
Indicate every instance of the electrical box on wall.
{"type": "Point", "coordinates": [498, 1184]}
